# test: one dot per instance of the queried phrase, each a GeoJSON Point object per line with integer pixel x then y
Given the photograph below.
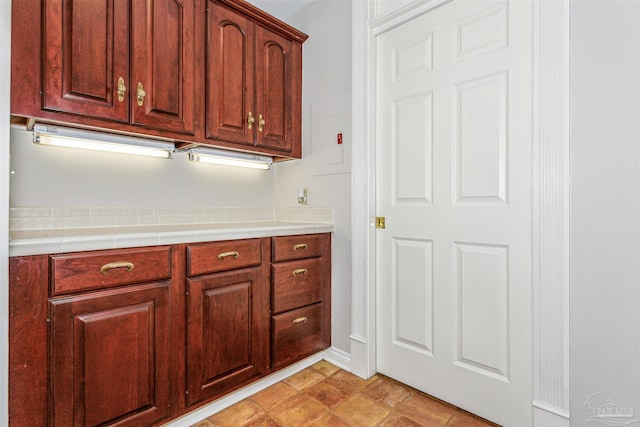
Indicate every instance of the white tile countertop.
{"type": "Point", "coordinates": [49, 241]}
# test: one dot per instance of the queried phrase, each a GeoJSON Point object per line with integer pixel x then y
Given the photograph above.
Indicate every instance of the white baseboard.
{"type": "Point", "coordinates": [361, 363]}
{"type": "Point", "coordinates": [338, 357]}
{"type": "Point", "coordinates": [545, 418]}
{"type": "Point", "coordinates": [235, 397]}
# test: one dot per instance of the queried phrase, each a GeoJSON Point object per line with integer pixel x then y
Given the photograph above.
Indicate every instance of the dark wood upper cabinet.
{"type": "Point", "coordinates": [219, 72]}
{"type": "Point", "coordinates": [229, 76]}
{"type": "Point", "coordinates": [89, 69]}
{"type": "Point", "coordinates": [251, 84]}
{"type": "Point", "coordinates": [275, 90]}
{"type": "Point", "coordinates": [163, 61]}
{"type": "Point", "coordinates": [86, 55]}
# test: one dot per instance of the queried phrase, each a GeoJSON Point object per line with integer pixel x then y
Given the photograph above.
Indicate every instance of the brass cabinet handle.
{"type": "Point", "coordinates": [261, 123]}
{"type": "Point", "coordinates": [300, 320]}
{"type": "Point", "coordinates": [234, 254]}
{"type": "Point", "coordinates": [121, 264]}
{"type": "Point", "coordinates": [140, 94]}
{"type": "Point", "coordinates": [300, 271]}
{"type": "Point", "coordinates": [300, 246]}
{"type": "Point", "coordinates": [121, 89]}
{"type": "Point", "coordinates": [250, 120]}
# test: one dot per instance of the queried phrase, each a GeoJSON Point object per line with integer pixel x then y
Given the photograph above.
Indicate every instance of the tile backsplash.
{"type": "Point", "coordinates": [37, 218]}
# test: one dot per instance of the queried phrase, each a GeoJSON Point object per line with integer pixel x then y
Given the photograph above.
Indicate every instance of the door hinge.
{"type": "Point", "coordinates": [380, 222]}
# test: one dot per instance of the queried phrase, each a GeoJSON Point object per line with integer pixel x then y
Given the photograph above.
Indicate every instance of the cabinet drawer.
{"type": "Point", "coordinates": [286, 248]}
{"type": "Point", "coordinates": [105, 269]}
{"type": "Point", "coordinates": [296, 334]}
{"type": "Point", "coordinates": [296, 284]}
{"type": "Point", "coordinates": [221, 256]}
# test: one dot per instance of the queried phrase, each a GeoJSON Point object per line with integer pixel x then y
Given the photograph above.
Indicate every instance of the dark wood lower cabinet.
{"type": "Point", "coordinates": [109, 357]}
{"type": "Point", "coordinates": [300, 297]}
{"type": "Point", "coordinates": [28, 331]}
{"type": "Point", "coordinates": [137, 337]}
{"type": "Point", "coordinates": [227, 332]}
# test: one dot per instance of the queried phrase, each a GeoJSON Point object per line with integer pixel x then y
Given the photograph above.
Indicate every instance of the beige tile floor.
{"type": "Point", "coordinates": [325, 395]}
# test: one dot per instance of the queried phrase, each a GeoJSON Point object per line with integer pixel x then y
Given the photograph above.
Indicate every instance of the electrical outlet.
{"type": "Point", "coordinates": [303, 198]}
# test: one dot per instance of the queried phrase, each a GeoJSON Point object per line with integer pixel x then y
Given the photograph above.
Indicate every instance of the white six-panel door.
{"type": "Point", "coordinates": [453, 179]}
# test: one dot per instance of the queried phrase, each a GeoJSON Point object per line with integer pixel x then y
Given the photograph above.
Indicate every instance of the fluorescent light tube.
{"type": "Point", "coordinates": [99, 141]}
{"type": "Point", "coordinates": [229, 158]}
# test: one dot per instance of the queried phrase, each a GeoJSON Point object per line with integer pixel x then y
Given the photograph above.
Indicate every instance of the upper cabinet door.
{"type": "Point", "coordinates": [85, 56]}
{"type": "Point", "coordinates": [274, 84]}
{"type": "Point", "coordinates": [230, 113]}
{"type": "Point", "coordinates": [163, 59]}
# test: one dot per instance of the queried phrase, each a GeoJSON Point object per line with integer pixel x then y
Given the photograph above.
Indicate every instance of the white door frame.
{"type": "Point", "coordinates": [550, 183]}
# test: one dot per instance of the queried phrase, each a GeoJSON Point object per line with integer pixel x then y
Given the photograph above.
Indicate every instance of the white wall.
{"type": "Point", "coordinates": [54, 176]}
{"type": "Point", "coordinates": [605, 187]}
{"type": "Point", "coordinates": [326, 73]}
{"type": "Point", "coordinates": [5, 60]}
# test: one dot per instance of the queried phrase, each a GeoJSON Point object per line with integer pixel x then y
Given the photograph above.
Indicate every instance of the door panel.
{"type": "Point", "coordinates": [453, 143]}
{"type": "Point", "coordinates": [412, 295]}
{"type": "Point", "coordinates": [227, 331]}
{"type": "Point", "coordinates": [481, 322]}
{"type": "Point", "coordinates": [110, 357]}
{"type": "Point", "coordinates": [274, 94]}
{"type": "Point", "coordinates": [413, 149]}
{"type": "Point", "coordinates": [482, 32]}
{"type": "Point", "coordinates": [163, 63]}
{"type": "Point", "coordinates": [87, 53]}
{"type": "Point", "coordinates": [230, 77]}
{"type": "Point", "coordinates": [237, 351]}
{"type": "Point", "coordinates": [480, 134]}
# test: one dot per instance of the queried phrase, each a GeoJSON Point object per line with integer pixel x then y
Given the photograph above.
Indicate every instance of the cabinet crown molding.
{"type": "Point", "coordinates": [266, 20]}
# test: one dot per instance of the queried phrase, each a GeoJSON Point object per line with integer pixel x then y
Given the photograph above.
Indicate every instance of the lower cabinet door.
{"type": "Point", "coordinates": [109, 357]}
{"type": "Point", "coordinates": [227, 332]}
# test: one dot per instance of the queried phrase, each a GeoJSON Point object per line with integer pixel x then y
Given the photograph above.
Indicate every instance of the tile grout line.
{"type": "Point", "coordinates": [377, 388]}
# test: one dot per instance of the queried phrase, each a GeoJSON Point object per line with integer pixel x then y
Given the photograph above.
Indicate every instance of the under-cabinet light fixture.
{"type": "Point", "coordinates": [230, 158]}
{"type": "Point", "coordinates": [89, 140]}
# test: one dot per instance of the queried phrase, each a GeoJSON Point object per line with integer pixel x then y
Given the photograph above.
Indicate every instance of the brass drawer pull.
{"type": "Point", "coordinates": [121, 264]}
{"type": "Point", "coordinates": [300, 246]}
{"type": "Point", "coordinates": [234, 254]}
{"type": "Point", "coordinates": [250, 121]}
{"type": "Point", "coordinates": [300, 320]}
{"type": "Point", "coordinates": [300, 271]}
